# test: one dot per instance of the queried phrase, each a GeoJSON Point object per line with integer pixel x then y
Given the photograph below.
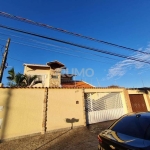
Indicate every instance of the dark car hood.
{"type": "Point", "coordinates": [124, 139]}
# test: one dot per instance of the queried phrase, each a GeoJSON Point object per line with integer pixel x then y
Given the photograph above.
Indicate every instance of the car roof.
{"type": "Point", "coordinates": [143, 114]}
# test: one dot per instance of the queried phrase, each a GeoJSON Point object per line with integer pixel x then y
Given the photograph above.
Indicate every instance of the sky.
{"type": "Point", "coordinates": [122, 22]}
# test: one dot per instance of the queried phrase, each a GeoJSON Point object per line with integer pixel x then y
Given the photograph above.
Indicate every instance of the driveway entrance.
{"type": "Point", "coordinates": [103, 106]}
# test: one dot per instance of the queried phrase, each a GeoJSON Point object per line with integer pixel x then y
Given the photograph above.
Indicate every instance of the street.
{"type": "Point", "coordinates": [68, 139]}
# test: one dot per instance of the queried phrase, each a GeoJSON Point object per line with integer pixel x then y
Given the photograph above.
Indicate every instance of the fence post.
{"type": "Point", "coordinates": [44, 111]}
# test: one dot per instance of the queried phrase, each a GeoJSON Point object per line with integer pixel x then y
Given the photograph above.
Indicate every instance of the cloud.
{"type": "Point", "coordinates": [122, 67]}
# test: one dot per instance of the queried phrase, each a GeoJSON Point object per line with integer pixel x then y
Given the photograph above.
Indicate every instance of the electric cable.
{"type": "Point", "coordinates": [16, 59]}
{"type": "Point", "coordinates": [58, 52]}
{"type": "Point", "coordinates": [4, 14]}
{"type": "Point", "coordinates": [74, 44]}
{"type": "Point", "coordinates": [53, 51]}
{"type": "Point", "coordinates": [47, 44]}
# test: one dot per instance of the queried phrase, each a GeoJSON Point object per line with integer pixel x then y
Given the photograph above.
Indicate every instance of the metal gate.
{"type": "Point", "coordinates": [103, 107]}
{"type": "Point", "coordinates": [137, 102]}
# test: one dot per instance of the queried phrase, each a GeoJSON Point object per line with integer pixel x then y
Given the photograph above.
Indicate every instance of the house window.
{"type": "Point", "coordinates": [39, 78]}
{"type": "Point", "coordinates": [54, 76]}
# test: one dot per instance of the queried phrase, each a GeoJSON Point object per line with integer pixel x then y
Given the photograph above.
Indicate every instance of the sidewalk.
{"type": "Point", "coordinates": [71, 139]}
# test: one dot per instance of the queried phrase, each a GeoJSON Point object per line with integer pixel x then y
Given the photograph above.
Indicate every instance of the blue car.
{"type": "Point", "coordinates": [130, 132]}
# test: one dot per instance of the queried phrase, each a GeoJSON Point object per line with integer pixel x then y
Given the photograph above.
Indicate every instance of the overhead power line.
{"type": "Point", "coordinates": [42, 48]}
{"type": "Point", "coordinates": [4, 14]}
{"type": "Point", "coordinates": [74, 44]}
{"type": "Point", "coordinates": [16, 59]}
{"type": "Point", "coordinates": [52, 45]}
{"type": "Point", "coordinates": [59, 52]}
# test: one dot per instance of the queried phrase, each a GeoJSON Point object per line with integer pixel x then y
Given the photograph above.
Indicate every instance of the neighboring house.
{"type": "Point", "coordinates": [67, 81]}
{"type": "Point", "coordinates": [81, 84]}
{"type": "Point", "coordinates": [50, 75]}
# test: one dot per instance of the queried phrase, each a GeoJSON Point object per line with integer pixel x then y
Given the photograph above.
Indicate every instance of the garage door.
{"type": "Point", "coordinates": [137, 102]}
{"type": "Point", "coordinates": [103, 107]}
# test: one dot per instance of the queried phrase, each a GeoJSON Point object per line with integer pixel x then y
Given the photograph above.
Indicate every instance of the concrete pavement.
{"type": "Point", "coordinates": [69, 139]}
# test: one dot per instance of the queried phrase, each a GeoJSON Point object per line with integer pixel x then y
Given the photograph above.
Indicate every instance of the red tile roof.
{"type": "Point", "coordinates": [76, 84]}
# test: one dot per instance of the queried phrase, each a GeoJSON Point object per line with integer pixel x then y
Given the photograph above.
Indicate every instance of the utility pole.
{"type": "Point", "coordinates": [4, 60]}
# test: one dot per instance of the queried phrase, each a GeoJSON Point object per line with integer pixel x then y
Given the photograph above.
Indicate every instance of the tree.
{"type": "Point", "coordinates": [15, 79]}
{"type": "Point", "coordinates": [11, 73]}
{"type": "Point", "coordinates": [113, 86]}
{"type": "Point", "coordinates": [31, 80]}
{"type": "Point", "coordinates": [21, 80]}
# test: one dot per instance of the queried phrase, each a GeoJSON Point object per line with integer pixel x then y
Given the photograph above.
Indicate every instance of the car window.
{"type": "Point", "coordinates": [132, 126]}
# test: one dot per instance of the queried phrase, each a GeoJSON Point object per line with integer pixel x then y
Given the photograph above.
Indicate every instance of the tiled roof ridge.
{"type": "Point", "coordinates": [88, 83]}
{"type": "Point", "coordinates": [78, 81]}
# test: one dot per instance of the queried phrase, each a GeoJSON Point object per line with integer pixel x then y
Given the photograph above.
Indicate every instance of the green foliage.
{"type": "Point", "coordinates": [11, 73]}
{"type": "Point", "coordinates": [20, 80]}
{"type": "Point", "coordinates": [30, 80]}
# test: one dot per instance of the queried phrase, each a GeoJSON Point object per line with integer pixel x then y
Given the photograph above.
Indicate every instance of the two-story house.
{"type": "Point", "coordinates": [49, 74]}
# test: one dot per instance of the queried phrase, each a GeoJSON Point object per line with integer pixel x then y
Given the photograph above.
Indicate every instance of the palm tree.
{"type": "Point", "coordinates": [21, 80]}
{"type": "Point", "coordinates": [11, 73]}
{"type": "Point", "coordinates": [31, 80]}
{"type": "Point", "coordinates": [15, 79]}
